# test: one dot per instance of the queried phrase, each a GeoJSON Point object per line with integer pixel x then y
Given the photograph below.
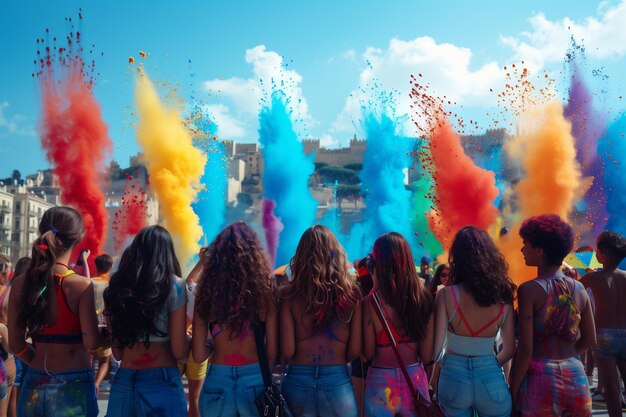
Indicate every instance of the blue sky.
{"type": "Point", "coordinates": [327, 51]}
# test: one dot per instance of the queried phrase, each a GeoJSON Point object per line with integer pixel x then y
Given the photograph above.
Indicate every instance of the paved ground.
{"type": "Point", "coordinates": [599, 409]}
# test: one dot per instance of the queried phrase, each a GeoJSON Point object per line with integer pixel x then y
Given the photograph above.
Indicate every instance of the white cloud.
{"type": "Point", "coordinates": [228, 127]}
{"type": "Point", "coordinates": [243, 96]}
{"type": "Point", "coordinates": [547, 41]}
{"type": "Point", "coordinates": [14, 125]}
{"type": "Point", "coordinates": [447, 68]}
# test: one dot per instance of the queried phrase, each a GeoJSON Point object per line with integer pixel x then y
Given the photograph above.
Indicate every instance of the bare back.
{"type": "Point", "coordinates": [318, 346]}
{"type": "Point", "coordinates": [609, 292]}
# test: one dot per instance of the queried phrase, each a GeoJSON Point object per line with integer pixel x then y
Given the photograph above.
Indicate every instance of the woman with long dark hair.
{"type": "Point", "coordinates": [320, 323]}
{"type": "Point", "coordinates": [407, 306]}
{"type": "Point", "coordinates": [55, 307]}
{"type": "Point", "coordinates": [556, 325]}
{"type": "Point", "coordinates": [234, 294]}
{"type": "Point", "coordinates": [145, 306]}
{"type": "Point", "coordinates": [441, 279]}
{"type": "Point", "coordinates": [469, 315]}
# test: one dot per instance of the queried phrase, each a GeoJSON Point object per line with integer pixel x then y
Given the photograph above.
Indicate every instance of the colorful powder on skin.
{"type": "Point", "coordinates": [131, 217]}
{"type": "Point", "coordinates": [74, 135]}
{"type": "Point", "coordinates": [286, 176]}
{"type": "Point", "coordinates": [612, 152]}
{"type": "Point", "coordinates": [387, 200]}
{"type": "Point", "coordinates": [587, 126]}
{"type": "Point", "coordinates": [210, 205]}
{"type": "Point", "coordinates": [464, 192]}
{"type": "Point", "coordinates": [272, 227]}
{"type": "Point", "coordinates": [174, 167]}
{"type": "Point", "coordinates": [552, 179]}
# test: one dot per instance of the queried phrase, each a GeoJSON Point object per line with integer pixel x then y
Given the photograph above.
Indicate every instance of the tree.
{"type": "Point", "coordinates": [319, 165]}
{"type": "Point", "coordinates": [115, 171]}
{"type": "Point", "coordinates": [355, 166]}
{"type": "Point", "coordinates": [334, 173]}
{"type": "Point", "coordinates": [16, 175]}
{"type": "Point", "coordinates": [349, 192]}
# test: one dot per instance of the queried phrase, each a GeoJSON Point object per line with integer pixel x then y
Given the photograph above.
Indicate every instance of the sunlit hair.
{"type": "Point", "coordinates": [550, 233]}
{"type": "Point", "coordinates": [236, 285]}
{"type": "Point", "coordinates": [138, 291]}
{"type": "Point", "coordinates": [478, 265]}
{"type": "Point", "coordinates": [612, 245]}
{"type": "Point", "coordinates": [322, 285]}
{"type": "Point", "coordinates": [60, 229]}
{"type": "Point", "coordinates": [399, 285]}
{"type": "Point", "coordinates": [436, 281]}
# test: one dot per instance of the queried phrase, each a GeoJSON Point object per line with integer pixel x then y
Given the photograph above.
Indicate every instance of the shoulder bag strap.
{"type": "Point", "coordinates": [259, 338]}
{"type": "Point", "coordinates": [394, 345]}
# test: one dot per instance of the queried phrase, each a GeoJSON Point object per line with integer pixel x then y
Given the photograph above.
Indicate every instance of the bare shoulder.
{"type": "Point", "coordinates": [77, 282]}
{"type": "Point", "coordinates": [589, 278]}
{"type": "Point", "coordinates": [529, 289]}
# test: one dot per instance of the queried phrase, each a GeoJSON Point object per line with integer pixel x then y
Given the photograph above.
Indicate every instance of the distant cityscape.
{"type": "Point", "coordinates": [334, 183]}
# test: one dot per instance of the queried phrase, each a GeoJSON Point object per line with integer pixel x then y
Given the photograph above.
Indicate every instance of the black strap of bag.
{"type": "Point", "coordinates": [270, 403]}
{"type": "Point", "coordinates": [259, 338]}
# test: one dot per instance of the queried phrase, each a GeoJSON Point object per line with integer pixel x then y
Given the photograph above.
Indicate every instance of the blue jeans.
{"type": "Point", "coordinates": [468, 384]}
{"type": "Point", "coordinates": [20, 368]}
{"type": "Point", "coordinates": [313, 391]}
{"type": "Point", "coordinates": [151, 392]}
{"type": "Point", "coordinates": [231, 390]}
{"type": "Point", "coordinates": [611, 344]}
{"type": "Point", "coordinates": [65, 393]}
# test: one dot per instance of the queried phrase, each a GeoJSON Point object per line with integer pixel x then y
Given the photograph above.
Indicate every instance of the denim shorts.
{"type": "Point", "coordinates": [324, 390]}
{"type": "Point", "coordinates": [20, 368]}
{"type": "Point", "coordinates": [555, 387]}
{"type": "Point", "coordinates": [230, 391]}
{"type": "Point", "coordinates": [611, 344]}
{"type": "Point", "coordinates": [473, 384]}
{"type": "Point", "coordinates": [387, 393]}
{"type": "Point", "coordinates": [147, 392]}
{"type": "Point", "coordinates": [65, 393]}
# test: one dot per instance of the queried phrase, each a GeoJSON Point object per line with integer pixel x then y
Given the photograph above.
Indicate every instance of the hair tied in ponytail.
{"type": "Point", "coordinates": [54, 229]}
{"type": "Point", "coordinates": [43, 247]}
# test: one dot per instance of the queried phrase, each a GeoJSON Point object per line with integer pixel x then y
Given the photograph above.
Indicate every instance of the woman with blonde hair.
{"type": "Point", "coordinates": [320, 323]}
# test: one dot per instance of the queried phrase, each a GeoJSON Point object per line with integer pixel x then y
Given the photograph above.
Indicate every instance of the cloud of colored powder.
{"type": "Point", "coordinates": [286, 175]}
{"type": "Point", "coordinates": [552, 178]}
{"type": "Point", "coordinates": [272, 227]}
{"type": "Point", "coordinates": [75, 137]}
{"type": "Point", "coordinates": [587, 126]}
{"type": "Point", "coordinates": [174, 167]}
{"type": "Point", "coordinates": [131, 217]}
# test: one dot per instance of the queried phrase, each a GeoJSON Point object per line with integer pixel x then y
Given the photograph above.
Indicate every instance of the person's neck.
{"type": "Point", "coordinates": [63, 260]}
{"type": "Point", "coordinates": [548, 270]}
{"type": "Point", "coordinates": [609, 267]}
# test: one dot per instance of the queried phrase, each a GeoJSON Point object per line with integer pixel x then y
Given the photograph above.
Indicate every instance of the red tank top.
{"type": "Point", "coordinates": [67, 328]}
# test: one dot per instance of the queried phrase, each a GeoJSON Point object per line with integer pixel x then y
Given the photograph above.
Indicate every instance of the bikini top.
{"type": "Point", "coordinates": [67, 328]}
{"type": "Point", "coordinates": [472, 345]}
{"type": "Point", "coordinates": [382, 339]}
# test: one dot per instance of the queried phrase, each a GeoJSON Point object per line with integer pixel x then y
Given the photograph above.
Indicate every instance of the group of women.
{"type": "Point", "coordinates": [315, 323]}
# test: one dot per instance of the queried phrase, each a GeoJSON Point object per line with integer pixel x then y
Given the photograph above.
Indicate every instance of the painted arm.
{"type": "Point", "coordinates": [525, 347]}
{"type": "Point", "coordinates": [356, 333]}
{"type": "Point", "coordinates": [287, 331]}
{"type": "Point", "coordinates": [508, 337]}
{"type": "Point", "coordinates": [17, 332]}
{"type": "Point", "coordinates": [369, 333]}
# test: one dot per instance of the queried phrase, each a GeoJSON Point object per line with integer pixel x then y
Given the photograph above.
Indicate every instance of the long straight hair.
{"type": "Point", "coordinates": [139, 290]}
{"type": "Point", "coordinates": [399, 285]}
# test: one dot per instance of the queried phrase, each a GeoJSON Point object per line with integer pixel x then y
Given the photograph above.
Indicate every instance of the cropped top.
{"type": "Point", "coordinates": [67, 328]}
{"type": "Point", "coordinates": [560, 315]}
{"type": "Point", "coordinates": [175, 299]}
{"type": "Point", "coordinates": [472, 345]}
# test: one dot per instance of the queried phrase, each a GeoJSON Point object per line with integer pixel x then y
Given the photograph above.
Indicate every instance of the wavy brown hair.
{"type": "Point", "coordinates": [399, 285]}
{"type": "Point", "coordinates": [60, 229]}
{"type": "Point", "coordinates": [322, 284]}
{"type": "Point", "coordinates": [236, 285]}
{"type": "Point", "coordinates": [477, 264]}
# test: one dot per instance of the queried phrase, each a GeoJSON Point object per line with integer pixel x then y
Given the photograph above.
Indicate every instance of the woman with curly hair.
{"type": "Point", "coordinates": [407, 307]}
{"type": "Point", "coordinates": [235, 293]}
{"type": "Point", "coordinates": [555, 326]}
{"type": "Point", "coordinates": [55, 308]}
{"type": "Point", "coordinates": [145, 307]}
{"type": "Point", "coordinates": [320, 327]}
{"type": "Point", "coordinates": [469, 316]}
